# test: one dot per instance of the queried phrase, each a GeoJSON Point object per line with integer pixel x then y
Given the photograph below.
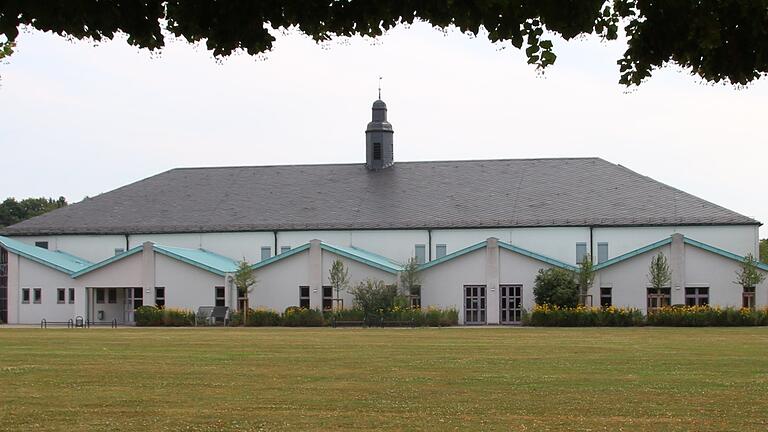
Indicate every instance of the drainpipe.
{"type": "Point", "coordinates": [274, 233]}
{"type": "Point", "coordinates": [429, 247]}
{"type": "Point", "coordinates": [591, 244]}
{"type": "Point", "coordinates": [127, 243]}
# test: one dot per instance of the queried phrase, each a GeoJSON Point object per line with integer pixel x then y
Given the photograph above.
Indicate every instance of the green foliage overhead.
{"type": "Point", "coordinates": [556, 287]}
{"type": "Point", "coordinates": [714, 39]}
{"type": "Point", "coordinates": [410, 280]}
{"type": "Point", "coordinates": [659, 274]}
{"type": "Point", "coordinates": [244, 278]}
{"type": "Point", "coordinates": [13, 212]}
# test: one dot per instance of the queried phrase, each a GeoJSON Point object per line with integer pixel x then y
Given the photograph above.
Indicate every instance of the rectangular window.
{"type": "Point", "coordinates": [440, 250]}
{"type": "Point", "coordinates": [748, 298]}
{"type": "Point", "coordinates": [421, 254]}
{"type": "Point", "coordinates": [602, 252]}
{"type": "Point", "coordinates": [284, 249]}
{"type": "Point", "coordinates": [377, 151]}
{"type": "Point", "coordinates": [304, 297]}
{"type": "Point", "coordinates": [266, 252]}
{"type": "Point", "coordinates": [160, 297]}
{"type": "Point", "coordinates": [606, 298]}
{"type": "Point", "coordinates": [118, 251]}
{"type": "Point", "coordinates": [658, 298]}
{"type": "Point", "coordinates": [327, 297]}
{"type": "Point", "coordinates": [42, 244]}
{"type": "Point", "coordinates": [220, 296]}
{"type": "Point", "coordinates": [61, 296]}
{"type": "Point", "coordinates": [581, 251]}
{"type": "Point", "coordinates": [25, 295]}
{"type": "Point", "coordinates": [71, 296]}
{"type": "Point", "coordinates": [138, 298]}
{"type": "Point", "coordinates": [415, 296]}
{"type": "Point", "coordinates": [99, 295]}
{"type": "Point", "coordinates": [37, 295]}
{"type": "Point", "coordinates": [112, 296]}
{"type": "Point", "coordinates": [696, 296]}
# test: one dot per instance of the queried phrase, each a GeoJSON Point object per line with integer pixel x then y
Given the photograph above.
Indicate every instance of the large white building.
{"type": "Point", "coordinates": [480, 229]}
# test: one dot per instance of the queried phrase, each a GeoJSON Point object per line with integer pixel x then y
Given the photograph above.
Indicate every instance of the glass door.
{"type": "Point", "coordinates": [474, 304]}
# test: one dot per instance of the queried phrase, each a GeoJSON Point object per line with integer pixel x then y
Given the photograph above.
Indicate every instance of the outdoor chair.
{"type": "Point", "coordinates": [204, 316]}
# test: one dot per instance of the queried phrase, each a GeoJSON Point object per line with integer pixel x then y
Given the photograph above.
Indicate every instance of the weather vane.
{"type": "Point", "coordinates": [380, 87]}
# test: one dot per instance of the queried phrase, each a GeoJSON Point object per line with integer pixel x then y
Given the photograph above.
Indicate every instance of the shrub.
{"type": "Point", "coordinates": [582, 316]}
{"type": "Point", "coordinates": [556, 287]}
{"type": "Point", "coordinates": [701, 316]}
{"type": "Point", "coordinates": [374, 297]}
{"type": "Point", "coordinates": [257, 318]}
{"type": "Point", "coordinates": [145, 316]}
{"type": "Point", "coordinates": [301, 317]}
{"type": "Point", "coordinates": [430, 317]}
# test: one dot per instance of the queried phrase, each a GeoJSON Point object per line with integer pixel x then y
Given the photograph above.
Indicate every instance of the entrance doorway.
{"type": "Point", "coordinates": [474, 304]}
{"type": "Point", "coordinates": [511, 307]}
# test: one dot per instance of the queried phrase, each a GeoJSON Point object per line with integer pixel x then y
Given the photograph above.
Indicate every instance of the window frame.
{"type": "Point", "coordinates": [100, 296]}
{"type": "Point", "coordinates": [42, 244]}
{"type": "Point", "coordinates": [112, 295]}
{"type": "Point", "coordinates": [71, 292]}
{"type": "Point", "coordinates": [26, 292]}
{"type": "Point", "coordinates": [37, 295]}
{"type": "Point", "coordinates": [118, 251]}
{"type": "Point", "coordinates": [61, 296]}
{"type": "Point", "coordinates": [160, 299]}
{"type": "Point", "coordinates": [438, 248]}
{"type": "Point", "coordinates": [284, 249]}
{"type": "Point", "coordinates": [327, 303]}
{"type": "Point", "coordinates": [748, 298]}
{"type": "Point", "coordinates": [378, 151]}
{"type": "Point", "coordinates": [423, 249]}
{"type": "Point", "coordinates": [602, 252]}
{"type": "Point", "coordinates": [660, 295]}
{"type": "Point", "coordinates": [304, 298]}
{"type": "Point", "coordinates": [217, 298]}
{"type": "Point", "coordinates": [606, 293]}
{"type": "Point", "coordinates": [580, 255]}
{"type": "Point", "coordinates": [268, 249]}
{"type": "Point", "coordinates": [696, 296]}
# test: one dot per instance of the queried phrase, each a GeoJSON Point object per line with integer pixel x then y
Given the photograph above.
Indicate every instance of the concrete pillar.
{"type": "Point", "coordinates": [315, 275]}
{"type": "Point", "coordinates": [81, 301]}
{"type": "Point", "coordinates": [148, 273]}
{"type": "Point", "coordinates": [492, 280]}
{"type": "Point", "coordinates": [677, 267]}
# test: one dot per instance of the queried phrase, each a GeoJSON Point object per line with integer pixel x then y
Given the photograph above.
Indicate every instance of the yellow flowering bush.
{"type": "Point", "coordinates": [700, 316]}
{"type": "Point", "coordinates": [582, 316]}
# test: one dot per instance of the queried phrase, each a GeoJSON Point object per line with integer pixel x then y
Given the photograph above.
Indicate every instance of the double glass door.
{"type": "Point", "coordinates": [474, 304]}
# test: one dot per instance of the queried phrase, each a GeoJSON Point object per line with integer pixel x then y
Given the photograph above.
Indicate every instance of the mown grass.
{"type": "Point", "coordinates": [705, 379]}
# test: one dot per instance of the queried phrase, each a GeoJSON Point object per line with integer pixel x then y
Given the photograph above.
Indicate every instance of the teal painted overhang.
{"type": "Point", "coordinates": [56, 260]}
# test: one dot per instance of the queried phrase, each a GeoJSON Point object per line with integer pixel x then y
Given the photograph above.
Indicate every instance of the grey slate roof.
{"type": "Point", "coordinates": [447, 194]}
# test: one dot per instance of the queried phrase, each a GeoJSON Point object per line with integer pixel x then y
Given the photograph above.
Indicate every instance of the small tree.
{"type": "Point", "coordinates": [374, 296]}
{"type": "Point", "coordinates": [410, 280]}
{"type": "Point", "coordinates": [338, 276]}
{"type": "Point", "coordinates": [585, 276]}
{"type": "Point", "coordinates": [556, 287]}
{"type": "Point", "coordinates": [244, 280]}
{"type": "Point", "coordinates": [659, 275]}
{"type": "Point", "coordinates": [749, 276]}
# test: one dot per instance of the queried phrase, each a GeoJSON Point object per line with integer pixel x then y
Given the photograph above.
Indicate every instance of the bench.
{"type": "Point", "coordinates": [210, 315]}
{"type": "Point", "coordinates": [78, 322]}
{"type": "Point", "coordinates": [44, 323]}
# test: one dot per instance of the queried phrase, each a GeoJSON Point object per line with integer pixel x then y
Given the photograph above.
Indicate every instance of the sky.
{"type": "Point", "coordinates": [79, 118]}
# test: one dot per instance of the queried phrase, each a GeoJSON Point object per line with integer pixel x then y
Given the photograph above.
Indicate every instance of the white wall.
{"type": "Point", "coordinates": [235, 245]}
{"type": "Point", "coordinates": [442, 285]}
{"type": "Point", "coordinates": [124, 273]}
{"type": "Point", "coordinates": [278, 283]}
{"type": "Point", "coordinates": [397, 245]}
{"type": "Point", "coordinates": [738, 239]}
{"type": "Point", "coordinates": [556, 242]}
{"type": "Point", "coordinates": [186, 286]}
{"type": "Point", "coordinates": [629, 281]}
{"type": "Point", "coordinates": [516, 269]}
{"type": "Point", "coordinates": [34, 275]}
{"type": "Point", "coordinates": [705, 269]}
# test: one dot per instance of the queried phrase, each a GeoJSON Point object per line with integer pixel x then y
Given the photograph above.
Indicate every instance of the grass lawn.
{"type": "Point", "coordinates": [705, 379]}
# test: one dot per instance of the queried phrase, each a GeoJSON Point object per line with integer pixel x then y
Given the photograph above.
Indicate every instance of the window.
{"type": "Point", "coordinates": [696, 296]}
{"type": "Point", "coordinates": [25, 295]}
{"type": "Point", "coordinates": [748, 298]}
{"type": "Point", "coordinates": [606, 299]}
{"type": "Point", "coordinates": [266, 252]}
{"type": "Point", "coordinates": [220, 296]}
{"type": "Point", "coordinates": [377, 151]}
{"type": "Point", "coordinates": [415, 296]}
{"type": "Point", "coordinates": [61, 296]}
{"type": "Point", "coordinates": [71, 296]}
{"type": "Point", "coordinates": [581, 251]}
{"type": "Point", "coordinates": [284, 249]}
{"type": "Point", "coordinates": [138, 298]}
{"type": "Point", "coordinates": [304, 297]}
{"type": "Point", "coordinates": [99, 295]}
{"type": "Point", "coordinates": [440, 250]}
{"type": "Point", "coordinates": [327, 297]}
{"type": "Point", "coordinates": [421, 255]}
{"type": "Point", "coordinates": [37, 295]}
{"type": "Point", "coordinates": [42, 244]}
{"type": "Point", "coordinates": [160, 297]}
{"type": "Point", "coordinates": [602, 252]}
{"type": "Point", "coordinates": [658, 298]}
{"type": "Point", "coordinates": [112, 296]}
{"type": "Point", "coordinates": [118, 251]}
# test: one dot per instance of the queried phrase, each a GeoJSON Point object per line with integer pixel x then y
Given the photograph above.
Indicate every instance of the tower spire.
{"type": "Point", "coordinates": [380, 87]}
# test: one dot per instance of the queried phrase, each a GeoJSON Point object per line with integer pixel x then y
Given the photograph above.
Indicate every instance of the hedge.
{"type": "Point", "coordinates": [169, 317]}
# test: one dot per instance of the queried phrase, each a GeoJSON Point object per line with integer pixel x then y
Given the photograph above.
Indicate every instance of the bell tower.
{"type": "Point", "coordinates": [378, 138]}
